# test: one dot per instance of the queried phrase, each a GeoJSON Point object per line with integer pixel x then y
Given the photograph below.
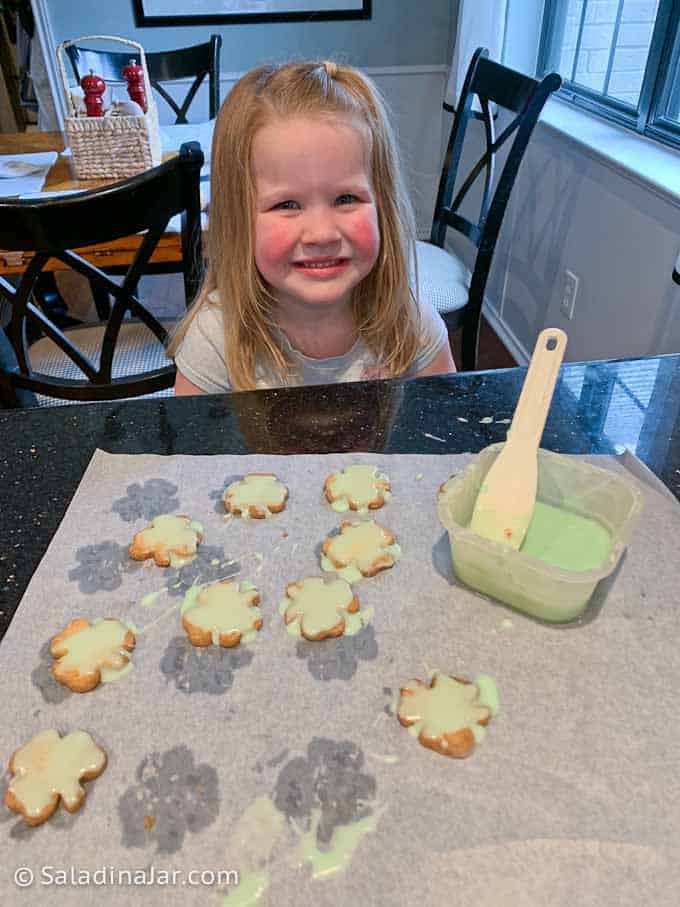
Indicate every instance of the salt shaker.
{"type": "Point", "coordinates": [134, 76]}
{"type": "Point", "coordinates": [94, 87]}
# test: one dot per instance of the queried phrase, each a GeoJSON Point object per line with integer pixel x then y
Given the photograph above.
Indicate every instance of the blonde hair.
{"type": "Point", "coordinates": [383, 306]}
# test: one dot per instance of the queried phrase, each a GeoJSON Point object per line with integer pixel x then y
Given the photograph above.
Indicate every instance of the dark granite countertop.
{"type": "Point", "coordinates": [598, 407]}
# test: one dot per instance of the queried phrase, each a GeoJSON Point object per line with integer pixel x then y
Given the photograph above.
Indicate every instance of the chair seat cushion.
{"type": "Point", "coordinates": [137, 350]}
{"type": "Point", "coordinates": [444, 281]}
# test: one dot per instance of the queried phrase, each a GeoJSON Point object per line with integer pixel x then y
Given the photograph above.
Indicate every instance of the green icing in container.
{"type": "Point", "coordinates": [565, 539]}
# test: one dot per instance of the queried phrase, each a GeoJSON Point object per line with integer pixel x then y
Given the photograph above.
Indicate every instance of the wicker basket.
{"type": "Point", "coordinates": [111, 146]}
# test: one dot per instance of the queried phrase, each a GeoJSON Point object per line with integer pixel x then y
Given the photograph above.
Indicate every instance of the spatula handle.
{"type": "Point", "coordinates": [532, 407]}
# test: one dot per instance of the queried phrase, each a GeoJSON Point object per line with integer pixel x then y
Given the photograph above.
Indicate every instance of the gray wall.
{"type": "Point", "coordinates": [400, 33]}
{"type": "Point", "coordinates": [572, 209]}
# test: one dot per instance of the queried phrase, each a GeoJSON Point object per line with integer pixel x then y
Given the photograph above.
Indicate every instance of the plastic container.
{"type": "Point", "coordinates": [522, 580]}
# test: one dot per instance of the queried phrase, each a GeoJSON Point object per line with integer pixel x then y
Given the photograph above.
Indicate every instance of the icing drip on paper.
{"type": "Point", "coordinates": [251, 843]}
{"type": "Point", "coordinates": [251, 887]}
{"type": "Point", "coordinates": [345, 839]}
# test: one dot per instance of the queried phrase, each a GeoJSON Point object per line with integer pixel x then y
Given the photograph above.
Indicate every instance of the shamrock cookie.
{"type": "Point", "coordinates": [49, 768]}
{"type": "Point", "coordinates": [257, 495]}
{"type": "Point", "coordinates": [449, 714]}
{"type": "Point", "coordinates": [169, 539]}
{"type": "Point", "coordinates": [317, 609]}
{"type": "Point", "coordinates": [357, 487]}
{"type": "Point", "coordinates": [89, 653]}
{"type": "Point", "coordinates": [360, 549]}
{"type": "Point", "coordinates": [221, 613]}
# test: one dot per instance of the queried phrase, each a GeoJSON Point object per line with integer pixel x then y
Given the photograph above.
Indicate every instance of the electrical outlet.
{"type": "Point", "coordinates": [569, 291]}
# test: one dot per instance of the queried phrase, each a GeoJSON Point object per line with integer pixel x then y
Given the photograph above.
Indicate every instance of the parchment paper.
{"type": "Point", "coordinates": [573, 798]}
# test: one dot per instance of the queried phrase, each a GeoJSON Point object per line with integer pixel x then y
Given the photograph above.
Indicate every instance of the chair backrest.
{"type": "Point", "coordinates": [195, 62]}
{"type": "Point", "coordinates": [52, 229]}
{"type": "Point", "coordinates": [495, 86]}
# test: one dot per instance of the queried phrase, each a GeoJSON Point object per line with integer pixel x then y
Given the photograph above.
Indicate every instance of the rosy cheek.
{"type": "Point", "coordinates": [365, 235]}
{"type": "Point", "coordinates": [272, 242]}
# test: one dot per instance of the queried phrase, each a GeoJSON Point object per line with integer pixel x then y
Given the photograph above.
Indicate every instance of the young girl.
{"type": "Point", "coordinates": [309, 240]}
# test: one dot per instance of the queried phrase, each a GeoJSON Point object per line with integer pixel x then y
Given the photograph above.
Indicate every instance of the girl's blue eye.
{"type": "Point", "coordinates": [288, 205]}
{"type": "Point", "coordinates": [347, 199]}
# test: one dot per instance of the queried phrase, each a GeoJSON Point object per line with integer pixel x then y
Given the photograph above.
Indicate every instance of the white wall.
{"type": "Point", "coordinates": [573, 210]}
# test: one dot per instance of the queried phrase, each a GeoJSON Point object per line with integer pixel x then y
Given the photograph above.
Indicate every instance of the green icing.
{"type": "Point", "coordinates": [318, 606]}
{"type": "Point", "coordinates": [388, 759]}
{"type": "Point", "coordinates": [447, 705]}
{"type": "Point", "coordinates": [478, 732]}
{"type": "Point", "coordinates": [251, 887]}
{"type": "Point", "coordinates": [110, 675]}
{"type": "Point", "coordinates": [222, 610]}
{"type": "Point", "coordinates": [343, 843]}
{"type": "Point", "coordinates": [565, 539]}
{"type": "Point", "coordinates": [151, 598]}
{"type": "Point", "coordinates": [488, 693]}
{"type": "Point", "coordinates": [190, 597]}
{"type": "Point", "coordinates": [350, 574]}
{"type": "Point", "coordinates": [355, 622]}
{"type": "Point", "coordinates": [341, 505]}
{"type": "Point", "coordinates": [176, 561]}
{"type": "Point", "coordinates": [102, 640]}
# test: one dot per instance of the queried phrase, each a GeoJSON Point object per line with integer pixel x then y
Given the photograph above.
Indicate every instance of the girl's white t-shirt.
{"type": "Point", "coordinates": [200, 356]}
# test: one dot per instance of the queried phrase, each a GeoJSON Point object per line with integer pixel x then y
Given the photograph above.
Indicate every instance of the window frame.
{"type": "Point", "coordinates": [662, 62]}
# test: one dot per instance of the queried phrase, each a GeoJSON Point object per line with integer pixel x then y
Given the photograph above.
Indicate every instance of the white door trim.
{"type": "Point", "coordinates": [44, 34]}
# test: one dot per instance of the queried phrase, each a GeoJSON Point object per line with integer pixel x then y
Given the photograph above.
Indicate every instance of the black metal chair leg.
{"type": "Point", "coordinates": [102, 302]}
{"type": "Point", "coordinates": [47, 296]}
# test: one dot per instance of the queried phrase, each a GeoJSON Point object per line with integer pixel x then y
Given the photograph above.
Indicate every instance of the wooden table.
{"type": "Point", "coordinates": [59, 178]}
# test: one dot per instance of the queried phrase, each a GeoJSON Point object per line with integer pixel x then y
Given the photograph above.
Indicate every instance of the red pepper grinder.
{"type": "Point", "coordinates": [94, 87]}
{"type": "Point", "coordinates": [134, 76]}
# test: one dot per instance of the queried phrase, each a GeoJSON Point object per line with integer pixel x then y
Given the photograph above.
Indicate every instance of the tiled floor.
{"type": "Point", "coordinates": [492, 353]}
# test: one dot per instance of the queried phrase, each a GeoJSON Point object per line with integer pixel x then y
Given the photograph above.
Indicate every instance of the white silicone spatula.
{"type": "Point", "coordinates": [506, 499]}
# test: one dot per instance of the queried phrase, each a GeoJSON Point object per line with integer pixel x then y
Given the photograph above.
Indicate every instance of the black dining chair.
{"type": "Point", "coordinates": [164, 66]}
{"type": "Point", "coordinates": [443, 278]}
{"type": "Point", "coordinates": [124, 355]}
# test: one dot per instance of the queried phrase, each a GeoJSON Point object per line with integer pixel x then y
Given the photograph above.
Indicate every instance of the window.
{"type": "Point", "coordinates": [618, 58]}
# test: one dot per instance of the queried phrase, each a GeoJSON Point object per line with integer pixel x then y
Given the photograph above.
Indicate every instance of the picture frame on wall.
{"type": "Point", "coordinates": [234, 12]}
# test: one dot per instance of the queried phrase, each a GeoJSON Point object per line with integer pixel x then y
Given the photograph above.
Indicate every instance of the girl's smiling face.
{"type": "Point", "coordinates": [316, 232]}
